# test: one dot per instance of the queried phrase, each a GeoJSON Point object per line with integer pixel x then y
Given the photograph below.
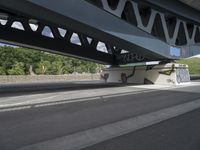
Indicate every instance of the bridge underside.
{"type": "Point", "coordinates": [105, 31]}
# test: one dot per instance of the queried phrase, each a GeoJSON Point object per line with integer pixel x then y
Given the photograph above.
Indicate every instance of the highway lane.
{"type": "Point", "coordinates": [14, 89]}
{"type": "Point", "coordinates": [25, 127]}
{"type": "Point", "coordinates": [180, 133]}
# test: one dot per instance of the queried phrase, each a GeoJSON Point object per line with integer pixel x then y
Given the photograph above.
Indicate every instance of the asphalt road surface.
{"type": "Point", "coordinates": [46, 87]}
{"type": "Point", "coordinates": [24, 127]}
{"type": "Point", "coordinates": [180, 133]}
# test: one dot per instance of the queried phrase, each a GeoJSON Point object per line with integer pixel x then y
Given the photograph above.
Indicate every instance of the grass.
{"type": "Point", "coordinates": [193, 63]}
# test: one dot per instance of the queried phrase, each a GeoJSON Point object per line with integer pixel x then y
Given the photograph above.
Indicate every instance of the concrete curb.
{"type": "Point", "coordinates": [93, 136]}
{"type": "Point", "coordinates": [46, 78]}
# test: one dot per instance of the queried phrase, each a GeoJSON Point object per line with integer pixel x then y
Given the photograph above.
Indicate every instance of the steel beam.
{"type": "Point", "coordinates": [178, 8]}
{"type": "Point", "coordinates": [83, 17]}
{"type": "Point", "coordinates": [58, 46]}
{"type": "Point", "coordinates": [154, 39]}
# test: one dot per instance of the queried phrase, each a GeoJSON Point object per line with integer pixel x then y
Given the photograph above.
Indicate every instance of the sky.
{"type": "Point", "coordinates": [174, 51]}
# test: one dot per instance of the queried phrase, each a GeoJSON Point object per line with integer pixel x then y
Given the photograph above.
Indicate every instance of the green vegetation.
{"type": "Point", "coordinates": [193, 63]}
{"type": "Point", "coordinates": [22, 61]}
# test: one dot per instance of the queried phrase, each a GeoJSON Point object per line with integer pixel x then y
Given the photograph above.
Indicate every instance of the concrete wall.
{"type": "Point", "coordinates": [166, 74]}
{"type": "Point", "coordinates": [46, 78]}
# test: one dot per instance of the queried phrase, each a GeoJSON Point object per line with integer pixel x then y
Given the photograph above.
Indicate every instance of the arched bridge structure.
{"type": "Point", "coordinates": [107, 31]}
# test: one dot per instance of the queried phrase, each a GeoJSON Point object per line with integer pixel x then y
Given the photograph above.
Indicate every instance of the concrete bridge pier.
{"type": "Point", "coordinates": [162, 74]}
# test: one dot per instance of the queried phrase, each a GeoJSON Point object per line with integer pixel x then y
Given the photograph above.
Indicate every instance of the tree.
{"type": "Point", "coordinates": [17, 69]}
{"type": "Point", "coordinates": [2, 71]}
{"type": "Point", "coordinates": [40, 62]}
{"type": "Point", "coordinates": [43, 67]}
{"type": "Point", "coordinates": [58, 67]}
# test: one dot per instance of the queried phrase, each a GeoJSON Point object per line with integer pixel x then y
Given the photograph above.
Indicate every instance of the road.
{"type": "Point", "coordinates": [44, 87]}
{"type": "Point", "coordinates": [180, 133]}
{"type": "Point", "coordinates": [22, 127]}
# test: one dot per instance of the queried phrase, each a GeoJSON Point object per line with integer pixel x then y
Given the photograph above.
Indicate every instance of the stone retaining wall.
{"type": "Point", "coordinates": [46, 78]}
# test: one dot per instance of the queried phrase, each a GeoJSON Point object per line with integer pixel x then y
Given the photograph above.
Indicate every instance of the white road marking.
{"type": "Point", "coordinates": [66, 102]}
{"type": "Point", "coordinates": [15, 108]}
{"type": "Point", "coordinates": [93, 136]}
{"type": "Point", "coordinates": [7, 108]}
{"type": "Point", "coordinates": [58, 98]}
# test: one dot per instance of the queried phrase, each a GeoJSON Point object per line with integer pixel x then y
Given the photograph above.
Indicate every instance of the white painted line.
{"type": "Point", "coordinates": [129, 93]}
{"type": "Point", "coordinates": [15, 108]}
{"type": "Point", "coordinates": [164, 87]}
{"type": "Point", "coordinates": [22, 106]}
{"type": "Point", "coordinates": [66, 102]}
{"type": "Point", "coordinates": [53, 99]}
{"type": "Point", "coordinates": [93, 136]}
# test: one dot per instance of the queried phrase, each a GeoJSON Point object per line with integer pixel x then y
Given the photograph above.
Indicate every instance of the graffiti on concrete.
{"type": "Point", "coordinates": [105, 76]}
{"type": "Point", "coordinates": [168, 72]}
{"type": "Point", "coordinates": [182, 75]}
{"type": "Point", "coordinates": [130, 58]}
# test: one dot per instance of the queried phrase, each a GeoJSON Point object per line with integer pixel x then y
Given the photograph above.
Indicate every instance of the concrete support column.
{"type": "Point", "coordinates": [166, 74]}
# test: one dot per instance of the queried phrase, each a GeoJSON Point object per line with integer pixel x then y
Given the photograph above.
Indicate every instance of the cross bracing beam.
{"type": "Point", "coordinates": [27, 32]}
{"type": "Point", "coordinates": [145, 36]}
{"type": "Point", "coordinates": [171, 21]}
{"type": "Point", "coordinates": [25, 35]}
{"type": "Point", "coordinates": [81, 16]}
{"type": "Point", "coordinates": [178, 8]}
